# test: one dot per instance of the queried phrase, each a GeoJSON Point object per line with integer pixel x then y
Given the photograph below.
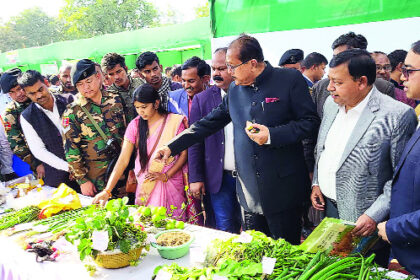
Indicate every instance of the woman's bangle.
{"type": "Point", "coordinates": [166, 177]}
{"type": "Point", "coordinates": [108, 192]}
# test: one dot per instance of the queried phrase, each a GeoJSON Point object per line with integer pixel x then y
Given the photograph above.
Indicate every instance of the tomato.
{"type": "Point", "coordinates": [162, 211]}
{"type": "Point", "coordinates": [154, 210]}
{"type": "Point", "coordinates": [157, 218]}
{"type": "Point", "coordinates": [140, 209]}
{"type": "Point", "coordinates": [179, 225]}
{"type": "Point", "coordinates": [146, 212]}
{"type": "Point", "coordinates": [170, 225]}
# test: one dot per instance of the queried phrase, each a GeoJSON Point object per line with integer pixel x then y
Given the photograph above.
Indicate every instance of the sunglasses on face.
{"type": "Point", "coordinates": [406, 72]}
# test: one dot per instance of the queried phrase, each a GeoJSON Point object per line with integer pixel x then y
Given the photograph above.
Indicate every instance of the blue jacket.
{"type": "Point", "coordinates": [178, 102]}
{"type": "Point", "coordinates": [403, 227]}
{"type": "Point", "coordinates": [205, 159]}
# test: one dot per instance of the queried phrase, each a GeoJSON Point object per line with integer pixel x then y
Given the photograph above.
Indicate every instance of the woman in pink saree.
{"type": "Point", "coordinates": [157, 185]}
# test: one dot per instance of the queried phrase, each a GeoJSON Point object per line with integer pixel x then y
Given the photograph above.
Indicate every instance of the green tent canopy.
{"type": "Point", "coordinates": [313, 25]}
{"type": "Point", "coordinates": [173, 44]}
{"type": "Point", "coordinates": [231, 17]}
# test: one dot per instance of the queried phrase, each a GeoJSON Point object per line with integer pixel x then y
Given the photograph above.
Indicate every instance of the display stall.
{"type": "Point", "coordinates": [56, 234]}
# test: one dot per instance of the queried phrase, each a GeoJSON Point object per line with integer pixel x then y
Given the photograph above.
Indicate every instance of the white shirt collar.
{"type": "Point", "coordinates": [45, 110]}
{"type": "Point", "coordinates": [306, 77]}
{"type": "Point", "coordinates": [361, 106]}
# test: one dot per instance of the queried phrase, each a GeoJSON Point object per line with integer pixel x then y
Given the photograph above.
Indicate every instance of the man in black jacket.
{"type": "Point", "coordinates": [272, 112]}
{"type": "Point", "coordinates": [42, 125]}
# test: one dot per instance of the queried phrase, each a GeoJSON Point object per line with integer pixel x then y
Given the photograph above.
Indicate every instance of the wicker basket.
{"type": "Point", "coordinates": [117, 259]}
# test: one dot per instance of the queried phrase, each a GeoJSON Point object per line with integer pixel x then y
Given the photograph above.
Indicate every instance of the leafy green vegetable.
{"type": "Point", "coordinates": [122, 234]}
{"type": "Point", "coordinates": [238, 269]}
{"type": "Point", "coordinates": [242, 261]}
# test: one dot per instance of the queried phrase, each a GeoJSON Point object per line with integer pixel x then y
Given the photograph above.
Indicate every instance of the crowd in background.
{"type": "Point", "coordinates": [258, 146]}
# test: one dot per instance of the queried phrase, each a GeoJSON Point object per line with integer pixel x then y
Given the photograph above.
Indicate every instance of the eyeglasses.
{"type": "Point", "coordinates": [233, 67]}
{"type": "Point", "coordinates": [406, 72]}
{"type": "Point", "coordinates": [386, 67]}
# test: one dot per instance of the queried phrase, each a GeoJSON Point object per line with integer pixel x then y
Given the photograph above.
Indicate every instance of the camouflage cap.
{"type": "Point", "coordinates": [81, 70]}
{"type": "Point", "coordinates": [9, 79]}
{"type": "Point", "coordinates": [291, 57]}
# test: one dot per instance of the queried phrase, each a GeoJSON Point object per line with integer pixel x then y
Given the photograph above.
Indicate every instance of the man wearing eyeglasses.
{"type": "Point", "coordinates": [402, 230]}
{"type": "Point", "coordinates": [383, 71]}
{"type": "Point", "coordinates": [272, 112]}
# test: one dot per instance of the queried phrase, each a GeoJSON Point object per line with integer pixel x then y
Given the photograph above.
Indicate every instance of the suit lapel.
{"type": "Point", "coordinates": [408, 147]}
{"type": "Point", "coordinates": [184, 104]}
{"type": "Point", "coordinates": [216, 97]}
{"type": "Point", "coordinates": [362, 125]}
{"type": "Point", "coordinates": [328, 120]}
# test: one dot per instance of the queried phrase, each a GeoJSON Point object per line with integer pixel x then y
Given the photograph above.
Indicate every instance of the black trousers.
{"type": "Point", "coordinates": [286, 224]}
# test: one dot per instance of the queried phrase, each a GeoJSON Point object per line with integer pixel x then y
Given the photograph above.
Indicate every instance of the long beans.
{"type": "Point", "coordinates": [66, 219]}
{"type": "Point", "coordinates": [291, 262]}
{"type": "Point", "coordinates": [23, 215]}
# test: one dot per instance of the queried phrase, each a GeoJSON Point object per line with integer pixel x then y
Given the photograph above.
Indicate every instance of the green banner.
{"type": "Point", "coordinates": [232, 17]}
{"type": "Point", "coordinates": [175, 40]}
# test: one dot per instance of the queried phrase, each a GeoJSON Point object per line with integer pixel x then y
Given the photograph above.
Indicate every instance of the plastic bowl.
{"type": "Point", "coordinates": [176, 252]}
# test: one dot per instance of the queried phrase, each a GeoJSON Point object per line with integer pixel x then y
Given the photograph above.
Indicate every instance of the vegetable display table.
{"type": "Point", "coordinates": [17, 264]}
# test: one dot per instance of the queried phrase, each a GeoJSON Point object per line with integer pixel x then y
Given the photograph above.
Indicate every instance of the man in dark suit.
{"type": "Point", "coordinates": [402, 230]}
{"type": "Point", "coordinates": [313, 68]}
{"type": "Point", "coordinates": [211, 164]}
{"type": "Point", "coordinates": [272, 112]}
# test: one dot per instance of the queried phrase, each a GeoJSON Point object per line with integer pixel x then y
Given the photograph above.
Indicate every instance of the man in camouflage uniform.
{"type": "Point", "coordinates": [11, 120]}
{"type": "Point", "coordinates": [83, 142]}
{"type": "Point", "coordinates": [65, 89]}
{"type": "Point", "coordinates": [123, 84]}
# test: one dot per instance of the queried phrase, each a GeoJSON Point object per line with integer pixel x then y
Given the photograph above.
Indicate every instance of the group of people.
{"type": "Point", "coordinates": [256, 145]}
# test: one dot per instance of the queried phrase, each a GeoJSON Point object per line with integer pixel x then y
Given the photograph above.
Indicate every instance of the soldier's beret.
{"type": "Point", "coordinates": [83, 69]}
{"type": "Point", "coordinates": [291, 56]}
{"type": "Point", "coordinates": [9, 79]}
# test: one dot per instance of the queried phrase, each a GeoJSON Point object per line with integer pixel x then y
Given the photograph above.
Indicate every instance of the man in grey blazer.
{"type": "Point", "coordinates": [360, 141]}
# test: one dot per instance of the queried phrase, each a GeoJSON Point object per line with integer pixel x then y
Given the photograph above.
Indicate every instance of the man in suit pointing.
{"type": "Point", "coordinates": [273, 180]}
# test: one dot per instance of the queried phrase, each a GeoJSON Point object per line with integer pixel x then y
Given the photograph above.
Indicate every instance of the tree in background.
{"type": "Point", "coordinates": [32, 27]}
{"type": "Point", "coordinates": [9, 39]}
{"type": "Point", "coordinates": [203, 11]}
{"type": "Point", "coordinates": [84, 19]}
{"type": "Point", "coordinates": [88, 18]}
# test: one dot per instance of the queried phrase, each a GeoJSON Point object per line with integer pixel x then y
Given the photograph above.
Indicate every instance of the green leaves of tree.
{"type": "Point", "coordinates": [78, 19]}
{"type": "Point", "coordinates": [87, 18]}
{"type": "Point", "coordinates": [32, 27]}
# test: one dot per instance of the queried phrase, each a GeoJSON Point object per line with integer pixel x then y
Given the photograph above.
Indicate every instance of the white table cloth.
{"type": "Point", "coordinates": [17, 264]}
